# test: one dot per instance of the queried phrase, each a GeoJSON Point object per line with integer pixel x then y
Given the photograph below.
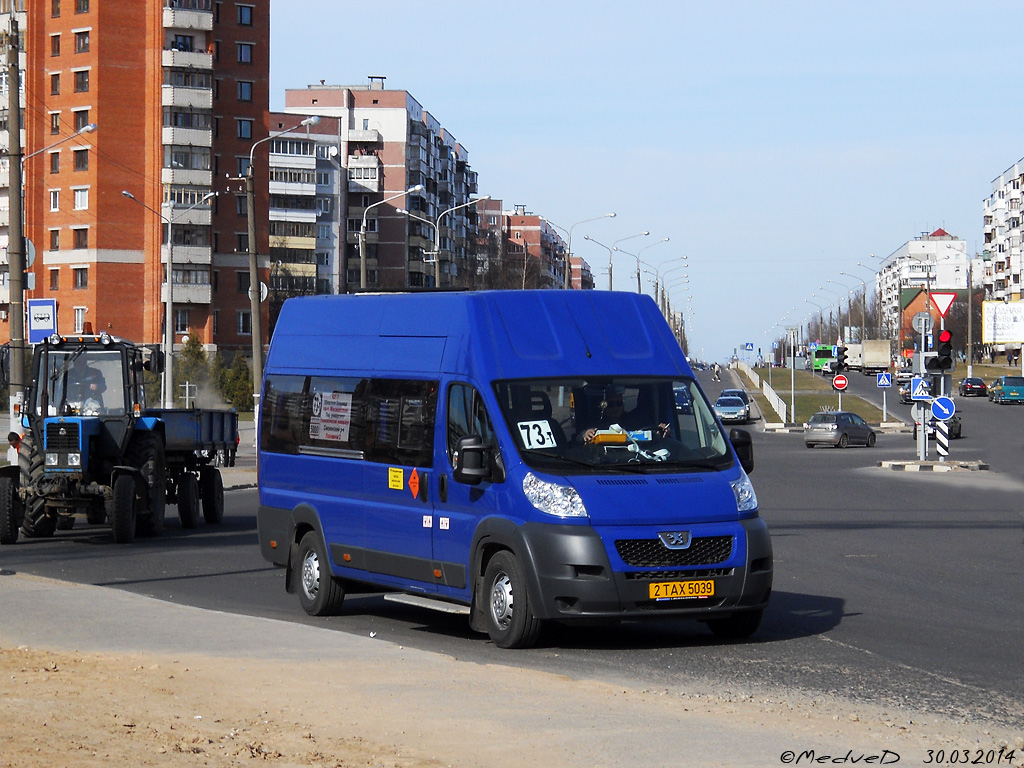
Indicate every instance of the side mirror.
{"type": "Point", "coordinates": [744, 447]}
{"type": "Point", "coordinates": [470, 467]}
{"type": "Point", "coordinates": [155, 363]}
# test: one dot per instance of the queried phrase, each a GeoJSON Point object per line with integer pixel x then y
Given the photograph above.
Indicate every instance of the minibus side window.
{"type": "Point", "coordinates": [283, 415]}
{"type": "Point", "coordinates": [400, 417]}
{"type": "Point", "coordinates": [467, 415]}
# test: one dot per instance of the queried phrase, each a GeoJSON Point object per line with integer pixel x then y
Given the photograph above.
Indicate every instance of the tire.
{"type": "Point", "coordinates": [10, 511]}
{"type": "Point", "coordinates": [319, 592]}
{"type": "Point", "coordinates": [738, 626]}
{"type": "Point", "coordinates": [510, 619]}
{"type": "Point", "coordinates": [871, 440]}
{"type": "Point", "coordinates": [844, 440]}
{"type": "Point", "coordinates": [146, 453]}
{"type": "Point", "coordinates": [122, 511]}
{"type": "Point", "coordinates": [188, 500]}
{"type": "Point", "coordinates": [36, 523]}
{"type": "Point", "coordinates": [211, 488]}
{"type": "Point", "coordinates": [808, 445]}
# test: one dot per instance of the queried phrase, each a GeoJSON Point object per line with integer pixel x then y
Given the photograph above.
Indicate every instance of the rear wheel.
{"type": "Point", "coordinates": [10, 511]}
{"type": "Point", "coordinates": [510, 619]}
{"type": "Point", "coordinates": [122, 511]}
{"type": "Point", "coordinates": [188, 500]}
{"type": "Point", "coordinates": [319, 592]}
{"type": "Point", "coordinates": [844, 440]}
{"type": "Point", "coordinates": [211, 487]}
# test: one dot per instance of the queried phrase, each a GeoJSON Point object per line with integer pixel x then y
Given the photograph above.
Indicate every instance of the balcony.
{"type": "Point", "coordinates": [180, 18]}
{"type": "Point", "coordinates": [292, 188]}
{"type": "Point", "coordinates": [201, 215]}
{"type": "Point", "coordinates": [186, 59]}
{"type": "Point", "coordinates": [294, 243]}
{"type": "Point", "coordinates": [186, 98]}
{"type": "Point", "coordinates": [186, 137]}
{"type": "Point", "coordinates": [186, 293]}
{"type": "Point", "coordinates": [188, 254]}
{"type": "Point", "coordinates": [186, 177]}
{"type": "Point", "coordinates": [293, 214]}
{"type": "Point", "coordinates": [370, 135]}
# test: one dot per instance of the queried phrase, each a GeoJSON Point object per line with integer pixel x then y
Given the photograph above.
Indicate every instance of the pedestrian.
{"type": "Point", "coordinates": [717, 373]}
{"type": "Point", "coordinates": [14, 440]}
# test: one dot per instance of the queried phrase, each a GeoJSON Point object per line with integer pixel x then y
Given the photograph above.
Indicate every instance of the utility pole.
{"type": "Point", "coordinates": [16, 234]}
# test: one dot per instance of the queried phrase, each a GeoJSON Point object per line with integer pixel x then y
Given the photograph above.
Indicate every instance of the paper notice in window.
{"type": "Point", "coordinates": [332, 416]}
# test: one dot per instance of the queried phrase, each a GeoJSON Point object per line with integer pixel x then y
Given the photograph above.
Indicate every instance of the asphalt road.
{"type": "Point", "coordinates": [896, 588]}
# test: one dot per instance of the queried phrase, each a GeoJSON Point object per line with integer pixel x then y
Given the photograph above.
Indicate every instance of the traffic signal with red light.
{"type": "Point", "coordinates": [840, 364]}
{"type": "Point", "coordinates": [942, 343]}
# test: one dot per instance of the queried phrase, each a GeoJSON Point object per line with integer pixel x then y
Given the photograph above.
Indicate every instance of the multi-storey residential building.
{"type": "Point", "coordinates": [387, 145]}
{"type": "Point", "coordinates": [517, 249]}
{"type": "Point", "coordinates": [1003, 216]}
{"type": "Point", "coordinates": [178, 90]}
{"type": "Point", "coordinates": [938, 260]}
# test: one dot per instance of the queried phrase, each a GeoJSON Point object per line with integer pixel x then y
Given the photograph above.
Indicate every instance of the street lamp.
{"type": "Point", "coordinates": [254, 277]}
{"type": "Point", "coordinates": [863, 307]}
{"type": "Point", "coordinates": [362, 230]}
{"type": "Point", "coordinates": [436, 224]}
{"type": "Point", "coordinates": [637, 257]}
{"type": "Point", "coordinates": [167, 395]}
{"type": "Point", "coordinates": [607, 248]}
{"type": "Point", "coordinates": [645, 233]}
{"type": "Point", "coordinates": [568, 245]}
{"type": "Point", "coordinates": [16, 244]}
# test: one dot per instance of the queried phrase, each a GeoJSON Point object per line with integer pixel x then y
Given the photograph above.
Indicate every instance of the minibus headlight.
{"type": "Point", "coordinates": [743, 489]}
{"type": "Point", "coordinates": [552, 498]}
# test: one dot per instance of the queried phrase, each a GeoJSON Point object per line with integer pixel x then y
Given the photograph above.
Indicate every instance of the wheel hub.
{"type": "Point", "coordinates": [311, 576]}
{"type": "Point", "coordinates": [502, 600]}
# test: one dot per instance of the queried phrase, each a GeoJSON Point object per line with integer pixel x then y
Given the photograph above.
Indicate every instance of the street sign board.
{"type": "Point", "coordinates": [942, 301]}
{"type": "Point", "coordinates": [42, 319]}
{"type": "Point", "coordinates": [749, 346]}
{"type": "Point", "coordinates": [943, 408]}
{"type": "Point", "coordinates": [813, 347]}
{"type": "Point", "coordinates": [923, 322]}
{"type": "Point", "coordinates": [840, 382]}
{"type": "Point", "coordinates": [919, 389]}
{"type": "Point", "coordinates": [885, 379]}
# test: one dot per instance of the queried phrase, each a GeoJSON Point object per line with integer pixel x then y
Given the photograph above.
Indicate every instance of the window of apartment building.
{"type": "Point", "coordinates": [81, 159]}
{"type": "Point", "coordinates": [80, 237]}
{"type": "Point", "coordinates": [55, 162]}
{"type": "Point", "coordinates": [55, 85]}
{"type": "Point", "coordinates": [54, 199]}
{"type": "Point", "coordinates": [186, 43]}
{"type": "Point", "coordinates": [362, 173]}
{"type": "Point", "coordinates": [188, 78]}
{"type": "Point", "coordinates": [214, 278]}
{"type": "Point", "coordinates": [244, 323]}
{"type": "Point", "coordinates": [323, 231]}
{"type": "Point", "coordinates": [81, 6]}
{"type": "Point", "coordinates": [54, 123]}
{"type": "Point", "coordinates": [243, 166]}
{"type": "Point", "coordinates": [245, 53]}
{"type": "Point", "coordinates": [323, 178]}
{"type": "Point", "coordinates": [79, 319]}
{"type": "Point", "coordinates": [245, 15]}
{"type": "Point", "coordinates": [55, 9]}
{"type": "Point", "coordinates": [55, 45]}
{"type": "Point", "coordinates": [323, 204]}
{"type": "Point", "coordinates": [81, 118]}
{"type": "Point", "coordinates": [55, 279]}
{"type": "Point", "coordinates": [82, 41]}
{"type": "Point", "coordinates": [243, 281]}
{"type": "Point", "coordinates": [181, 321]}
{"type": "Point", "coordinates": [82, 81]}
{"type": "Point", "coordinates": [244, 90]}
{"type": "Point", "coordinates": [241, 205]}
{"type": "Point", "coordinates": [242, 243]}
{"type": "Point", "coordinates": [81, 199]}
{"type": "Point", "coordinates": [216, 322]}
{"type": "Point", "coordinates": [54, 239]}
{"type": "Point", "coordinates": [81, 276]}
{"type": "Point", "coordinates": [187, 157]}
{"type": "Point", "coordinates": [323, 258]}
{"type": "Point", "coordinates": [355, 225]}
{"type": "Point", "coordinates": [244, 128]}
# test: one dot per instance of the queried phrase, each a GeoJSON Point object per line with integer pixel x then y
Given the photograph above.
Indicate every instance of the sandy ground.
{"type": "Point", "coordinates": [265, 692]}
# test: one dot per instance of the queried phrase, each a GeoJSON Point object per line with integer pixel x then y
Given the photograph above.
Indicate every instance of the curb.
{"type": "Point", "coordinates": [934, 466]}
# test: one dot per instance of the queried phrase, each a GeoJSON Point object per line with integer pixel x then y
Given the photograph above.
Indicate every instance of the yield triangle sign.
{"type": "Point", "coordinates": [943, 301]}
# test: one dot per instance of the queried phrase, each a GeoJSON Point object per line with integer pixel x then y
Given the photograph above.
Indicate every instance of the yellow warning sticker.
{"type": "Point", "coordinates": [396, 478]}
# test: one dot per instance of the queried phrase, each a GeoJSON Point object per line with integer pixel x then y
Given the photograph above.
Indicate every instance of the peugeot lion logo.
{"type": "Point", "coordinates": [675, 539]}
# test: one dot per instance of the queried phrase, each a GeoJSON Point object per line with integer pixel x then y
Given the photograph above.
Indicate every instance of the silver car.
{"type": "Point", "coordinates": [838, 429]}
{"type": "Point", "coordinates": [732, 409]}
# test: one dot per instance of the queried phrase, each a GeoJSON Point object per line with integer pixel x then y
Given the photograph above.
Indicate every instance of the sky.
{"type": "Point", "coordinates": [776, 144]}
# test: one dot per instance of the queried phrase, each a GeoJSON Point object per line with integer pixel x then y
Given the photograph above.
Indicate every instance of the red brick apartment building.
{"type": "Point", "coordinates": [517, 249]}
{"type": "Point", "coordinates": [179, 93]}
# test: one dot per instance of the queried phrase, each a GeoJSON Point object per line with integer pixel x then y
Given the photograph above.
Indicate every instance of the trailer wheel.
{"type": "Point", "coordinates": [10, 511]}
{"type": "Point", "coordinates": [319, 592]}
{"type": "Point", "coordinates": [211, 486]}
{"type": "Point", "coordinates": [510, 619]}
{"type": "Point", "coordinates": [122, 511]}
{"type": "Point", "coordinates": [188, 500]}
{"type": "Point", "coordinates": [35, 523]}
{"type": "Point", "coordinates": [147, 453]}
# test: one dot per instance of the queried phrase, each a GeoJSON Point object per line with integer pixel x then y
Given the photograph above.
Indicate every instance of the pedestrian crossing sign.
{"type": "Point", "coordinates": [919, 389]}
{"type": "Point", "coordinates": [885, 379]}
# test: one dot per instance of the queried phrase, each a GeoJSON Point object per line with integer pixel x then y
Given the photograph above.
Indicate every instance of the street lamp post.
{"type": "Point", "coordinates": [167, 395]}
{"type": "Point", "coordinates": [663, 240]}
{"type": "Point", "coordinates": [645, 233]}
{"type": "Point", "coordinates": [568, 247]}
{"type": "Point", "coordinates": [863, 308]}
{"type": "Point", "coordinates": [436, 224]}
{"type": "Point", "coordinates": [362, 230]}
{"type": "Point", "coordinates": [607, 248]}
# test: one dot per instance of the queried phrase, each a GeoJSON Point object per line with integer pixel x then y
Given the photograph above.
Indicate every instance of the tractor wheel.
{"type": "Point", "coordinates": [211, 486]}
{"type": "Point", "coordinates": [10, 511]}
{"type": "Point", "coordinates": [36, 522]}
{"type": "Point", "coordinates": [146, 452]}
{"type": "Point", "coordinates": [188, 500]}
{"type": "Point", "coordinates": [122, 511]}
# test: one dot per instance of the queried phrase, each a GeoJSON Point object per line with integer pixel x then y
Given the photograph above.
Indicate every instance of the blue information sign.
{"type": "Point", "coordinates": [885, 379]}
{"type": "Point", "coordinates": [943, 408]}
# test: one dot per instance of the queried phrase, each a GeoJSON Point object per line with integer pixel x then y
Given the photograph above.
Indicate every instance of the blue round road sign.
{"type": "Point", "coordinates": [943, 408]}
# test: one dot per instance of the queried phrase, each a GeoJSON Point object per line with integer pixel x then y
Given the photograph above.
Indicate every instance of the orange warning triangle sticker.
{"type": "Point", "coordinates": [414, 484]}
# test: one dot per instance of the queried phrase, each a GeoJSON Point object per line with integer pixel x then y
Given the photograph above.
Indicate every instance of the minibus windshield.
{"type": "Point", "coordinates": [619, 423]}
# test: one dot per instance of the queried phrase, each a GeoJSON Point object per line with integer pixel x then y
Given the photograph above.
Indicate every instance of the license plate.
{"type": "Point", "coordinates": [673, 590]}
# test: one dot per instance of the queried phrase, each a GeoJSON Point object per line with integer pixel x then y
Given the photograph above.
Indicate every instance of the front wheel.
{"type": "Point", "coordinates": [122, 511]}
{"type": "Point", "coordinates": [871, 440]}
{"type": "Point", "coordinates": [510, 619]}
{"type": "Point", "coordinates": [188, 500]}
{"type": "Point", "coordinates": [10, 511]}
{"type": "Point", "coordinates": [319, 592]}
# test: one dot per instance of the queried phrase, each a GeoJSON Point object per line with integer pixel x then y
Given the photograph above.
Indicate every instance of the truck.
{"type": "Point", "coordinates": [93, 447]}
{"type": "Point", "coordinates": [870, 356]}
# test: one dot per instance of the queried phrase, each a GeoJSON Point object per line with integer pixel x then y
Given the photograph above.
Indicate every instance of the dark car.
{"type": "Point", "coordinates": [740, 393]}
{"type": "Point", "coordinates": [839, 429]}
{"type": "Point", "coordinates": [973, 386]}
{"type": "Point", "coordinates": [956, 429]}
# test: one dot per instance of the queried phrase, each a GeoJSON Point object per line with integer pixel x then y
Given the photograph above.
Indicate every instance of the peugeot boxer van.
{"type": "Point", "coordinates": [518, 456]}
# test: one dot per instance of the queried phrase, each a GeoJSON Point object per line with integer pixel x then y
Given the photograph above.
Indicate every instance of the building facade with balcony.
{"type": "Point", "coordinates": [1003, 214]}
{"type": "Point", "coordinates": [387, 144]}
{"type": "Point", "coordinates": [179, 92]}
{"type": "Point", "coordinates": [519, 249]}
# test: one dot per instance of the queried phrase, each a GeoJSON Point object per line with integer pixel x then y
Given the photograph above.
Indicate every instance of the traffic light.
{"type": "Point", "coordinates": [942, 343]}
{"type": "Point", "coordinates": [840, 365]}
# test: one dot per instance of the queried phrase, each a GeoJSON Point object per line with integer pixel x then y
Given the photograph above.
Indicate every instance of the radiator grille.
{"type": "Point", "coordinates": [62, 436]}
{"type": "Point", "coordinates": [651, 553]}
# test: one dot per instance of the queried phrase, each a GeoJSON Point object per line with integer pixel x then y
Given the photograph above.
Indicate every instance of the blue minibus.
{"type": "Point", "coordinates": [521, 457]}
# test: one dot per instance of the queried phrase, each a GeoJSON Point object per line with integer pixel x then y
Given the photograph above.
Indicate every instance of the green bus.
{"type": "Point", "coordinates": [823, 359]}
